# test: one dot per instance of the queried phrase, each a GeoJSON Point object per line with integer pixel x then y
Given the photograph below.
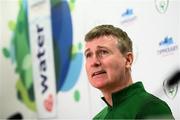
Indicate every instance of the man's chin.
{"type": "Point", "coordinates": [99, 86]}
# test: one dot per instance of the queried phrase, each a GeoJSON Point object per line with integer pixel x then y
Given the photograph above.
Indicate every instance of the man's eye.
{"type": "Point", "coordinates": [103, 52]}
{"type": "Point", "coordinates": [88, 55]}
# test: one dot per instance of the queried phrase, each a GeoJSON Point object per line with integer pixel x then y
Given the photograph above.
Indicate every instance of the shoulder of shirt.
{"type": "Point", "coordinates": [154, 107]}
{"type": "Point", "coordinates": [101, 113]}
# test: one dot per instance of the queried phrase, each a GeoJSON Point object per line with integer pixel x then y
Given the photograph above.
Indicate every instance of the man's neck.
{"type": "Point", "coordinates": [108, 93]}
{"type": "Point", "coordinates": [108, 98]}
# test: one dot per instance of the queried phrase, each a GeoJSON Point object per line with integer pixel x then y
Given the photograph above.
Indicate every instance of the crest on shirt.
{"type": "Point", "coordinates": [170, 91]}
{"type": "Point", "coordinates": [161, 5]}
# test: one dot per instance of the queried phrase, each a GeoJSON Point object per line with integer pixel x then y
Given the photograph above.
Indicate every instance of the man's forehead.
{"type": "Point", "coordinates": [102, 40]}
{"type": "Point", "coordinates": [101, 45]}
{"type": "Point", "coordinates": [96, 47]}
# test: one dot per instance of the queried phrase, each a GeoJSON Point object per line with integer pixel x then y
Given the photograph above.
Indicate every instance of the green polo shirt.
{"type": "Point", "coordinates": [134, 102]}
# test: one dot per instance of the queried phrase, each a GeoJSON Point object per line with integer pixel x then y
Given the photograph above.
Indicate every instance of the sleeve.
{"type": "Point", "coordinates": [155, 109]}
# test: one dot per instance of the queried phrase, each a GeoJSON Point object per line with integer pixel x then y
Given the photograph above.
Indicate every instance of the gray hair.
{"type": "Point", "coordinates": [124, 42]}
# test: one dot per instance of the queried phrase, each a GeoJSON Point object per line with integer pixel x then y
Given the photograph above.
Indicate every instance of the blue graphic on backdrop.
{"type": "Point", "coordinates": [128, 16]}
{"type": "Point", "coordinates": [128, 12]}
{"type": "Point", "coordinates": [167, 46]}
{"type": "Point", "coordinates": [73, 73]}
{"type": "Point", "coordinates": [166, 41]}
{"type": "Point", "coordinates": [68, 59]}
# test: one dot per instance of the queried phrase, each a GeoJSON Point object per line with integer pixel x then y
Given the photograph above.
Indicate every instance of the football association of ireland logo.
{"type": "Point", "coordinates": [161, 5]}
{"type": "Point", "coordinates": [170, 91]}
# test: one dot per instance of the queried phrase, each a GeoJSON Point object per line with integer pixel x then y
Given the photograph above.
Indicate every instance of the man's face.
{"type": "Point", "coordinates": [105, 65]}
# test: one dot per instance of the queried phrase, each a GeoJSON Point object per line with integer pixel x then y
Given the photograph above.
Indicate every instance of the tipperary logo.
{"type": "Point", "coordinates": [167, 46]}
{"type": "Point", "coordinates": [161, 5]}
{"type": "Point", "coordinates": [170, 91]}
{"type": "Point", "coordinates": [127, 16]}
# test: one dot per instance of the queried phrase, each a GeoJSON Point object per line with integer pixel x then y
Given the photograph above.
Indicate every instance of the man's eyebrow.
{"type": "Point", "coordinates": [88, 49]}
{"type": "Point", "coordinates": [99, 46]}
{"type": "Point", "coordinates": [102, 47]}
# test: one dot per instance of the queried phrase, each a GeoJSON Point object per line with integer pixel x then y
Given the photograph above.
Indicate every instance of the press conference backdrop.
{"type": "Point", "coordinates": [42, 72]}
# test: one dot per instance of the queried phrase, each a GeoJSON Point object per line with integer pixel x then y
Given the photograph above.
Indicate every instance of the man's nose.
{"type": "Point", "coordinates": [95, 61]}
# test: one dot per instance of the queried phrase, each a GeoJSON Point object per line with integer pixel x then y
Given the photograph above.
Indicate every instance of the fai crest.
{"type": "Point", "coordinates": [170, 91]}
{"type": "Point", "coordinates": [161, 5]}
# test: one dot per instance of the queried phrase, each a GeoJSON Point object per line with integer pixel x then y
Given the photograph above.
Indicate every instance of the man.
{"type": "Point", "coordinates": [109, 56]}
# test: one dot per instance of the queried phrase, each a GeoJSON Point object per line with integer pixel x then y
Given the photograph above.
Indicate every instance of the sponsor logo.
{"type": "Point", "coordinates": [41, 53]}
{"type": "Point", "coordinates": [128, 16]}
{"type": "Point", "coordinates": [41, 56]}
{"type": "Point", "coordinates": [161, 5]}
{"type": "Point", "coordinates": [167, 46]}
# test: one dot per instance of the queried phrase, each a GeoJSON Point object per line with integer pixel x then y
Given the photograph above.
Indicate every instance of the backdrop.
{"type": "Point", "coordinates": [42, 72]}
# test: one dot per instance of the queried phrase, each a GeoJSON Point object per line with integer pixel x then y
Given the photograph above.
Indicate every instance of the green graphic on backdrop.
{"type": "Point", "coordinates": [19, 53]}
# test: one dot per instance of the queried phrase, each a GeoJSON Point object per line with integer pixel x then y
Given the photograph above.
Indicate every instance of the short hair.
{"type": "Point", "coordinates": [124, 42]}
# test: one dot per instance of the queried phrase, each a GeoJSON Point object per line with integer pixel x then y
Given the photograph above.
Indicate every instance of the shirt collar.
{"type": "Point", "coordinates": [123, 94]}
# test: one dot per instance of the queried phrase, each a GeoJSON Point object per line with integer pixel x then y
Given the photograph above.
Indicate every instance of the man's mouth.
{"type": "Point", "coordinates": [98, 73]}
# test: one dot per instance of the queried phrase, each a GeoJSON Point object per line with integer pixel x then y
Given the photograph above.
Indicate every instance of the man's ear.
{"type": "Point", "coordinates": [129, 59]}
